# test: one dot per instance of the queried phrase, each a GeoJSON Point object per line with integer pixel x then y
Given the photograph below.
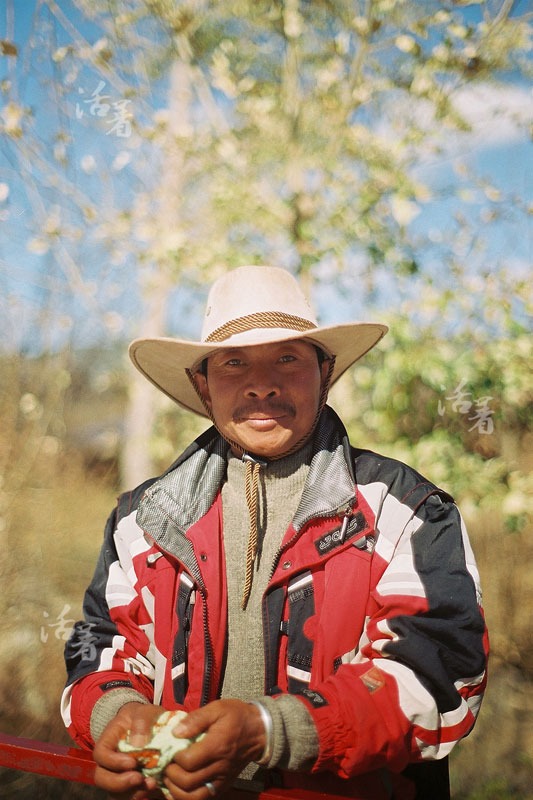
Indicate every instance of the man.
{"type": "Point", "coordinates": [314, 607]}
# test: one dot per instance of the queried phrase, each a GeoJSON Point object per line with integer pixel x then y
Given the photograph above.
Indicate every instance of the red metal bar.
{"type": "Point", "coordinates": [73, 764]}
{"type": "Point", "coordinates": [55, 760]}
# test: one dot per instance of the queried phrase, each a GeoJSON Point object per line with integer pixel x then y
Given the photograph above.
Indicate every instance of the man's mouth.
{"type": "Point", "coordinates": [263, 417]}
{"type": "Point", "coordinates": [261, 423]}
{"type": "Point", "coordinates": [277, 415]}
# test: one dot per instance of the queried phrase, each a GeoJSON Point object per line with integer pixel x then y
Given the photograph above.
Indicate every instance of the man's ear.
{"type": "Point", "coordinates": [201, 382]}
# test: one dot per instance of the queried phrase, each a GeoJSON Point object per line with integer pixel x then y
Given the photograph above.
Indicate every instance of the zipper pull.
{"type": "Point", "coordinates": [345, 512]}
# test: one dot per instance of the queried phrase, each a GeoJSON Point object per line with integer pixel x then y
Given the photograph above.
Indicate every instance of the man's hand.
{"type": "Point", "coordinates": [116, 772]}
{"type": "Point", "coordinates": [234, 736]}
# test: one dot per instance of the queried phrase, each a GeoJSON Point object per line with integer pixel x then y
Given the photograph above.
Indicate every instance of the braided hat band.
{"type": "Point", "coordinates": [263, 319]}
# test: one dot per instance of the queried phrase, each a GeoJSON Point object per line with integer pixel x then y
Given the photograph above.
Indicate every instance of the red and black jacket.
{"type": "Point", "coordinates": [372, 615]}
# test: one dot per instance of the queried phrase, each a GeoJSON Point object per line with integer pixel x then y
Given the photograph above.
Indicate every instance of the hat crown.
{"type": "Point", "coordinates": [245, 292]}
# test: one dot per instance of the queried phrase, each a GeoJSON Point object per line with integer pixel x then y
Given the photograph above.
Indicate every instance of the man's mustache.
{"type": "Point", "coordinates": [268, 408]}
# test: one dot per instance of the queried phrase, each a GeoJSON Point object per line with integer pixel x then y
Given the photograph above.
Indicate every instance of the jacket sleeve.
{"type": "Point", "coordinates": [415, 684]}
{"type": "Point", "coordinates": [108, 650]}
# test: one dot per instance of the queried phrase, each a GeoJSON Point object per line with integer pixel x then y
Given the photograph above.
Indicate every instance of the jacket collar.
{"type": "Point", "coordinates": [330, 485]}
{"type": "Point", "coordinates": [184, 494]}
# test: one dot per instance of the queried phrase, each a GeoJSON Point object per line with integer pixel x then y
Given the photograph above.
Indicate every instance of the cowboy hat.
{"type": "Point", "coordinates": [249, 306]}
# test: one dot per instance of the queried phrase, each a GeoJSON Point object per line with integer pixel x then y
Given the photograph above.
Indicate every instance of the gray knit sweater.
{"type": "Point", "coordinates": [280, 487]}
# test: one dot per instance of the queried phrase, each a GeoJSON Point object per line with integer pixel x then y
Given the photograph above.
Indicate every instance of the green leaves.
{"type": "Point", "coordinates": [423, 399]}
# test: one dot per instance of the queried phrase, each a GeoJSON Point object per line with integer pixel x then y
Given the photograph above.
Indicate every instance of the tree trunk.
{"type": "Point", "coordinates": [144, 400]}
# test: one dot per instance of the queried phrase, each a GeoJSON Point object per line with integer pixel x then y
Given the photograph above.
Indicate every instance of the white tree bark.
{"type": "Point", "coordinates": [144, 399]}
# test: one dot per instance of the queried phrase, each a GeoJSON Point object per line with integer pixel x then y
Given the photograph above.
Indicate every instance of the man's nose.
{"type": "Point", "coordinates": [262, 384]}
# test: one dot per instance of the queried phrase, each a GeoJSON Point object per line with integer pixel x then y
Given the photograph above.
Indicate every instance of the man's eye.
{"type": "Point", "coordinates": [234, 362]}
{"type": "Point", "coordinates": [287, 357]}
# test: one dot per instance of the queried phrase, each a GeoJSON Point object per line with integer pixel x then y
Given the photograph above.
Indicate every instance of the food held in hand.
{"type": "Point", "coordinates": [159, 751]}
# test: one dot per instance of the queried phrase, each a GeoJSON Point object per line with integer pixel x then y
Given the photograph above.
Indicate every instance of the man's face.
{"type": "Point", "coordinates": [264, 397]}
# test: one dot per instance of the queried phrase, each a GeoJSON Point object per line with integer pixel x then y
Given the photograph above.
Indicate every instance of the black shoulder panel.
{"type": "Point", "coordinates": [402, 481]}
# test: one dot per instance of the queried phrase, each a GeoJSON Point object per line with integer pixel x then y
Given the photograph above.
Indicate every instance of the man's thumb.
{"type": "Point", "coordinates": [191, 725]}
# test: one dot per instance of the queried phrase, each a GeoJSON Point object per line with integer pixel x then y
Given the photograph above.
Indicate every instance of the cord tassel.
{"type": "Point", "coordinates": [251, 491]}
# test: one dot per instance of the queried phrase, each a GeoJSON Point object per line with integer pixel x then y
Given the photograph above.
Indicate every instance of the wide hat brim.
{"type": "Point", "coordinates": [165, 361]}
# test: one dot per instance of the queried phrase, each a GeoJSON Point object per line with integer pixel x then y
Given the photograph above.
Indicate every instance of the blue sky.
{"type": "Point", "coordinates": [497, 150]}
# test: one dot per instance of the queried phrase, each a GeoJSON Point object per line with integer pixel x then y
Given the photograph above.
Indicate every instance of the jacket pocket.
{"type": "Point", "coordinates": [341, 598]}
{"type": "Point", "coordinates": [184, 610]}
{"type": "Point", "coordinates": [301, 605]}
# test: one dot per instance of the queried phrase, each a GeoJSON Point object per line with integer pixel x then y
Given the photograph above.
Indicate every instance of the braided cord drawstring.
{"type": "Point", "coordinates": [251, 479]}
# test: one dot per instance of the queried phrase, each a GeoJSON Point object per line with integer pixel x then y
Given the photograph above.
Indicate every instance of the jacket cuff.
{"type": "Point", "coordinates": [108, 706]}
{"type": "Point", "coordinates": [372, 735]}
{"type": "Point", "coordinates": [295, 743]}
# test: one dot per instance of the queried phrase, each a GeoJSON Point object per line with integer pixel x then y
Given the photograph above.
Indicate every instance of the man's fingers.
{"type": "Point", "coordinates": [190, 781]}
{"type": "Point", "coordinates": [197, 755]}
{"type": "Point", "coordinates": [127, 785]}
{"type": "Point", "coordinates": [111, 759]}
{"type": "Point", "coordinates": [204, 790]}
{"type": "Point", "coordinates": [117, 782]}
{"type": "Point", "coordinates": [135, 717]}
{"type": "Point", "coordinates": [234, 734]}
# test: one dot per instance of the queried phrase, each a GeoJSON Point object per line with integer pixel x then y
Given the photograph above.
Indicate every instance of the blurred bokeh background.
{"type": "Point", "coordinates": [379, 149]}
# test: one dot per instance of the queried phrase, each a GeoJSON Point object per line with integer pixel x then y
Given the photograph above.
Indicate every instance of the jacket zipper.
{"type": "Point", "coordinates": [197, 579]}
{"type": "Point", "coordinates": [208, 656]}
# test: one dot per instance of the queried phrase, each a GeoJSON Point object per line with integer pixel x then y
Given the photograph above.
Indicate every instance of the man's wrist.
{"type": "Point", "coordinates": [108, 705]}
{"type": "Point", "coordinates": [266, 755]}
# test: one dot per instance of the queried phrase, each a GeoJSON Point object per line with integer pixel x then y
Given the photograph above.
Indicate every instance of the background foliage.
{"type": "Point", "coordinates": [307, 134]}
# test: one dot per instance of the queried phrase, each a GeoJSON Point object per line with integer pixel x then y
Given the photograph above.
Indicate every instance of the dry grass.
{"type": "Point", "coordinates": [51, 547]}
{"type": "Point", "coordinates": [499, 752]}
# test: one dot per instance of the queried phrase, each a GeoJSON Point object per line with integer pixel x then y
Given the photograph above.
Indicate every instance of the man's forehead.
{"type": "Point", "coordinates": [262, 349]}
